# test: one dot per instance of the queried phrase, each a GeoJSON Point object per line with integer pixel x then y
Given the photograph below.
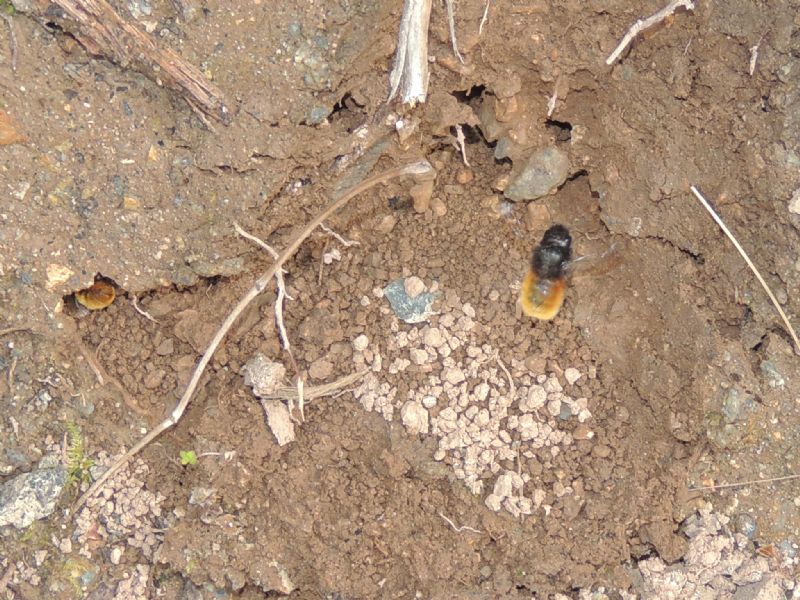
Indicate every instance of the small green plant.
{"type": "Point", "coordinates": [78, 464]}
{"type": "Point", "coordinates": [188, 457]}
{"type": "Point", "coordinates": [6, 7]}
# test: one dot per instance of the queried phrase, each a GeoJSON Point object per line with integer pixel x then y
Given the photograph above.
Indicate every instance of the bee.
{"type": "Point", "coordinates": [542, 292]}
{"type": "Point", "coordinates": [100, 295]}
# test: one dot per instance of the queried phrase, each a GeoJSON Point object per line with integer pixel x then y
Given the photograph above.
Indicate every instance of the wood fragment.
{"type": "Point", "coordinates": [643, 24]}
{"type": "Point", "coordinates": [13, 41]}
{"type": "Point", "coordinates": [103, 32]}
{"type": "Point", "coordinates": [451, 23]}
{"type": "Point", "coordinates": [750, 264]}
{"type": "Point", "coordinates": [409, 75]}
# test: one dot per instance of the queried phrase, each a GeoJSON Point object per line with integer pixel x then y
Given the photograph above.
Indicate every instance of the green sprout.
{"type": "Point", "coordinates": [188, 457]}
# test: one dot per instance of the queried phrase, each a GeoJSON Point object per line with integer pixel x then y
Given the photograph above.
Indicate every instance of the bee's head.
{"type": "Point", "coordinates": [557, 236]}
{"type": "Point", "coordinates": [550, 258]}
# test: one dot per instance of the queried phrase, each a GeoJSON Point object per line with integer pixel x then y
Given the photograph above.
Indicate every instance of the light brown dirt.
{"type": "Point", "coordinates": [120, 178]}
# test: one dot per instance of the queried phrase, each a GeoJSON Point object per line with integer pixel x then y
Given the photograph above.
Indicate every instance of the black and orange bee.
{"type": "Point", "coordinates": [542, 292]}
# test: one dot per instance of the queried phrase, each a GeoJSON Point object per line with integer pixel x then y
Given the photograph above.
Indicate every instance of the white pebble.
{"type": "Point", "coordinates": [552, 385]}
{"type": "Point", "coordinates": [360, 343]}
{"type": "Point", "coordinates": [429, 401]}
{"type": "Point", "coordinates": [537, 396]}
{"type": "Point", "coordinates": [493, 502]}
{"type": "Point", "coordinates": [418, 356]}
{"type": "Point", "coordinates": [554, 407]}
{"type": "Point", "coordinates": [503, 487]}
{"type": "Point", "coordinates": [415, 417]}
{"type": "Point", "coordinates": [468, 310]}
{"type": "Point", "coordinates": [481, 391]}
{"type": "Point", "coordinates": [453, 375]}
{"type": "Point", "coordinates": [433, 337]}
{"type": "Point", "coordinates": [414, 286]}
{"type": "Point", "coordinates": [572, 375]}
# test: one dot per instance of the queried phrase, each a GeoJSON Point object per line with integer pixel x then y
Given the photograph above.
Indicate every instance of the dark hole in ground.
{"type": "Point", "coordinates": [466, 96]}
{"type": "Point", "coordinates": [562, 130]}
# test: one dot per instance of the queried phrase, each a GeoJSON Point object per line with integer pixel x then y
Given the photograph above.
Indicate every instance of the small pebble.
{"type": "Point", "coordinates": [418, 356]}
{"type": "Point", "coordinates": [415, 417]}
{"type": "Point", "coordinates": [554, 407]}
{"type": "Point", "coordinates": [438, 206]}
{"type": "Point", "coordinates": [572, 375]}
{"type": "Point", "coordinates": [320, 369]}
{"type": "Point", "coordinates": [429, 402]}
{"type": "Point", "coordinates": [552, 385]}
{"type": "Point", "coordinates": [433, 338]}
{"type": "Point", "coordinates": [414, 286]}
{"type": "Point", "coordinates": [360, 343]}
{"type": "Point", "coordinates": [465, 176]}
{"type": "Point", "coordinates": [601, 451]}
{"type": "Point", "coordinates": [386, 224]}
{"type": "Point", "coordinates": [453, 375]}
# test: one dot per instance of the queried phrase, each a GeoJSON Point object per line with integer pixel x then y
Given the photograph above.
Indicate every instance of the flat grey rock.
{"type": "Point", "coordinates": [31, 496]}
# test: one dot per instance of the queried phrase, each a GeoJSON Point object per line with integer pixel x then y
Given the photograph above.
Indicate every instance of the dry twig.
{"type": "Point", "coordinates": [291, 393]}
{"type": "Point", "coordinates": [340, 239]}
{"type": "Point", "coordinates": [451, 23]}
{"type": "Point", "coordinates": [647, 23]}
{"type": "Point", "coordinates": [460, 142]}
{"type": "Point", "coordinates": [419, 169]}
{"type": "Point", "coordinates": [459, 529]}
{"type": "Point", "coordinates": [750, 264]}
{"type": "Point", "coordinates": [281, 290]}
{"type": "Point", "coordinates": [102, 31]}
{"type": "Point", "coordinates": [484, 17]}
{"type": "Point", "coordinates": [410, 72]}
{"type": "Point", "coordinates": [141, 311]}
{"type": "Point", "coordinates": [724, 486]}
{"type": "Point", "coordinates": [13, 41]}
{"type": "Point", "coordinates": [8, 330]}
{"type": "Point", "coordinates": [754, 56]}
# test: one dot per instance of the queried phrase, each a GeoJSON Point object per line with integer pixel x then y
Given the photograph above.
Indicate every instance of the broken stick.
{"type": "Point", "coordinates": [647, 23]}
{"type": "Point", "coordinates": [421, 169]}
{"type": "Point", "coordinates": [409, 75]}
{"type": "Point", "coordinates": [99, 29]}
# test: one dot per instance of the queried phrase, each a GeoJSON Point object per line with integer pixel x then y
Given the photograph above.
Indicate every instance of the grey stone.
{"type": "Point", "coordinates": [544, 171]}
{"type": "Point", "coordinates": [31, 496]}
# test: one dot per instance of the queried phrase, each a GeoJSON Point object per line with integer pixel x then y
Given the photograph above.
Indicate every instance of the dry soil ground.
{"type": "Point", "coordinates": [687, 377]}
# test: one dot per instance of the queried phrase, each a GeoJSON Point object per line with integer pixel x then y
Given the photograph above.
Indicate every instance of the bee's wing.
{"type": "Point", "coordinates": [596, 265]}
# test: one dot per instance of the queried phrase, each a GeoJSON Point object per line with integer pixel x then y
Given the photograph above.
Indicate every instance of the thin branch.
{"type": "Point", "coordinates": [513, 390]}
{"type": "Point", "coordinates": [754, 56]}
{"type": "Point", "coordinates": [460, 142]}
{"type": "Point", "coordinates": [419, 169]}
{"type": "Point", "coordinates": [750, 264]}
{"type": "Point", "coordinates": [7, 330]}
{"type": "Point", "coordinates": [647, 23]}
{"type": "Point", "coordinates": [13, 37]}
{"type": "Point", "coordinates": [141, 311]}
{"type": "Point", "coordinates": [410, 72]}
{"type": "Point", "coordinates": [724, 486]}
{"type": "Point", "coordinates": [484, 17]}
{"type": "Point", "coordinates": [314, 391]}
{"type": "Point", "coordinates": [340, 239]}
{"type": "Point", "coordinates": [281, 289]}
{"type": "Point", "coordinates": [459, 529]}
{"type": "Point", "coordinates": [451, 23]}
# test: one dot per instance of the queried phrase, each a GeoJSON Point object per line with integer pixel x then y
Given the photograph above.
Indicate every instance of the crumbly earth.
{"type": "Point", "coordinates": [480, 454]}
